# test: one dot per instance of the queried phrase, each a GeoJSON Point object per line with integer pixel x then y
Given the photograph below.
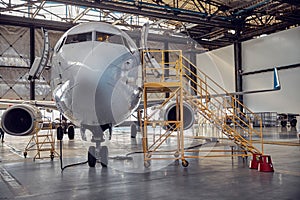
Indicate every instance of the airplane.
{"type": "Point", "coordinates": [96, 83]}
{"type": "Point", "coordinates": [96, 80]}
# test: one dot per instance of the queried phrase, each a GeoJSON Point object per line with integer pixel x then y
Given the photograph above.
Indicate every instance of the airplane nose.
{"type": "Point", "coordinates": [115, 89]}
{"type": "Point", "coordinates": [104, 86]}
{"type": "Point", "coordinates": [83, 91]}
{"type": "Point", "coordinates": [103, 98]}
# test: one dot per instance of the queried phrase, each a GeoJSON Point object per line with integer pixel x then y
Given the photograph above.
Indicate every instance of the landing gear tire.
{"type": "Point", "coordinates": [133, 130]}
{"type": "Point", "coordinates": [104, 156]}
{"type": "Point", "coordinates": [60, 133]}
{"type": "Point", "coordinates": [185, 163]}
{"type": "Point", "coordinates": [283, 123]}
{"type": "Point", "coordinates": [71, 132]}
{"type": "Point", "coordinates": [25, 154]}
{"type": "Point", "coordinates": [92, 156]}
{"type": "Point", "coordinates": [293, 122]}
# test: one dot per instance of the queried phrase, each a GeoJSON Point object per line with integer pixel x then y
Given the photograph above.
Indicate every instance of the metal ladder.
{"type": "Point", "coordinates": [42, 142]}
{"type": "Point", "coordinates": [171, 81]}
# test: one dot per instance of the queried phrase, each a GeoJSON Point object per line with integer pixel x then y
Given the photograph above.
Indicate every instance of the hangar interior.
{"type": "Point", "coordinates": [236, 43]}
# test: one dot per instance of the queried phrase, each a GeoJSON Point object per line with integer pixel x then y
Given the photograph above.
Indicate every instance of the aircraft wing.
{"type": "Point", "coordinates": [43, 104]}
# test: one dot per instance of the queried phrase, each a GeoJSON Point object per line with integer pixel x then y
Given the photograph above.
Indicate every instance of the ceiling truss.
{"type": "Point", "coordinates": [213, 23]}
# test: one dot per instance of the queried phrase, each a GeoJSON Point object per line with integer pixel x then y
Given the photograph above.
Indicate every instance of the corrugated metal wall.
{"type": "Point", "coordinates": [15, 63]}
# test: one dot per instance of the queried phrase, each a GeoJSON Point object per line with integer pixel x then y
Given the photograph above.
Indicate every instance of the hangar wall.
{"type": "Point", "coordinates": [278, 49]}
{"type": "Point", "coordinates": [15, 63]}
{"type": "Point", "coordinates": [219, 64]}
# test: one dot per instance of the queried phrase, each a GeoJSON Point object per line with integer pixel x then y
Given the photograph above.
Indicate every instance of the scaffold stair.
{"type": "Point", "coordinates": [206, 97]}
{"type": "Point", "coordinates": [218, 106]}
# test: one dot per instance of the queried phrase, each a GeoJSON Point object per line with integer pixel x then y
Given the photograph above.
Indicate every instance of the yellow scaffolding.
{"type": "Point", "coordinates": [171, 87]}
{"type": "Point", "coordinates": [42, 142]}
{"type": "Point", "coordinates": [171, 81]}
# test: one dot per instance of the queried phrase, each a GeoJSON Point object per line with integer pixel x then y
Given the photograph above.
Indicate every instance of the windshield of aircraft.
{"type": "Point", "coordinates": [100, 37]}
{"type": "Point", "coordinates": [107, 37]}
{"type": "Point", "coordinates": [82, 37]}
{"type": "Point", "coordinates": [113, 38]}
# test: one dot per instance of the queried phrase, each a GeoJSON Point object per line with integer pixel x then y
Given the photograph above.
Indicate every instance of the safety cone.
{"type": "Point", "coordinates": [255, 161]}
{"type": "Point", "coordinates": [265, 164]}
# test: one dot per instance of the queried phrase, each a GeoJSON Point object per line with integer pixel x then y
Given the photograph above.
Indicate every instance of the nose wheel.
{"type": "Point", "coordinates": [97, 153]}
{"type": "Point", "coordinates": [100, 154]}
{"type": "Point", "coordinates": [104, 156]}
{"type": "Point", "coordinates": [92, 156]}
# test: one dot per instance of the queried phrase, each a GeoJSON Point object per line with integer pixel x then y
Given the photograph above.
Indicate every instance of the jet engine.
{"type": "Point", "coordinates": [21, 120]}
{"type": "Point", "coordinates": [169, 114]}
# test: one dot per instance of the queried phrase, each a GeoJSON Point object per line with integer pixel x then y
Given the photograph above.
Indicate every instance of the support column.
{"type": "Point", "coordinates": [32, 56]}
{"type": "Point", "coordinates": [166, 60]}
{"type": "Point", "coordinates": [193, 59]}
{"type": "Point", "coordinates": [238, 69]}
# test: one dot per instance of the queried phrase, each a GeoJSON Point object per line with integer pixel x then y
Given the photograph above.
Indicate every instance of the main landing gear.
{"type": "Point", "coordinates": [65, 128]}
{"type": "Point", "coordinates": [98, 152]}
{"type": "Point", "coordinates": [61, 131]}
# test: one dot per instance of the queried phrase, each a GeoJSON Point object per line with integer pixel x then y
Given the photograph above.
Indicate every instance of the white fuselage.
{"type": "Point", "coordinates": [96, 74]}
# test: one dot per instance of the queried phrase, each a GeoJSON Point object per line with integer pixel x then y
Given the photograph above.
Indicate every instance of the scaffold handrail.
{"type": "Point", "coordinates": [174, 78]}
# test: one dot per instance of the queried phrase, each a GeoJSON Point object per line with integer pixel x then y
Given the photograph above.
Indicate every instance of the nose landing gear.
{"type": "Point", "coordinates": [98, 152]}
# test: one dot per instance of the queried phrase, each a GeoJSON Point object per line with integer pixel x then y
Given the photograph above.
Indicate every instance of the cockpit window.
{"type": "Point", "coordinates": [82, 37]}
{"type": "Point", "coordinates": [115, 39]}
{"type": "Point", "coordinates": [60, 44]}
{"type": "Point", "coordinates": [107, 37]}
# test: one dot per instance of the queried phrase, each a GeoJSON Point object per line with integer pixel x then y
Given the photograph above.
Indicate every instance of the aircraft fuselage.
{"type": "Point", "coordinates": [96, 74]}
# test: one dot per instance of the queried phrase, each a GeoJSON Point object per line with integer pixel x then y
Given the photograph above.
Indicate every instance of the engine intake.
{"type": "Point", "coordinates": [21, 120]}
{"type": "Point", "coordinates": [169, 114]}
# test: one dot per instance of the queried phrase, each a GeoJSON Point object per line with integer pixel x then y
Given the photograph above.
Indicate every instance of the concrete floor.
{"type": "Point", "coordinates": [207, 178]}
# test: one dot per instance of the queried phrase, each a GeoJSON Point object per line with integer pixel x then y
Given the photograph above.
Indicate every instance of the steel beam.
{"type": "Point", "coordinates": [166, 60]}
{"type": "Point", "coordinates": [36, 23]}
{"type": "Point", "coordinates": [237, 46]}
{"type": "Point", "coordinates": [193, 59]}
{"type": "Point", "coordinates": [272, 69]}
{"type": "Point", "coordinates": [154, 10]}
{"type": "Point", "coordinates": [32, 57]}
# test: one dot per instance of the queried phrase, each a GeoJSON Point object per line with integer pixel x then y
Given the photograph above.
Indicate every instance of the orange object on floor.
{"type": "Point", "coordinates": [265, 164]}
{"type": "Point", "coordinates": [255, 161]}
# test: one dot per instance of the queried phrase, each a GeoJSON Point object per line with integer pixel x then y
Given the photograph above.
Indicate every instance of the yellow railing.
{"type": "Point", "coordinates": [156, 67]}
{"type": "Point", "coordinates": [168, 72]}
{"type": "Point", "coordinates": [162, 76]}
{"type": "Point", "coordinates": [217, 98]}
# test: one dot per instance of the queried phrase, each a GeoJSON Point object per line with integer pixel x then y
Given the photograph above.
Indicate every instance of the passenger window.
{"type": "Point", "coordinates": [82, 37]}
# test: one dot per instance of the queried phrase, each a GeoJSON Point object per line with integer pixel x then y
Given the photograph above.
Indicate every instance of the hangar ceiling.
{"type": "Point", "coordinates": [213, 23]}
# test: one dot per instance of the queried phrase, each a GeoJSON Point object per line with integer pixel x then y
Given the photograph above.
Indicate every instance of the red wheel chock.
{"type": "Point", "coordinates": [262, 163]}
{"type": "Point", "coordinates": [265, 165]}
{"type": "Point", "coordinates": [255, 161]}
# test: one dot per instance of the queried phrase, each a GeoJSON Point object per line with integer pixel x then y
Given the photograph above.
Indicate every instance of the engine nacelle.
{"type": "Point", "coordinates": [169, 114]}
{"type": "Point", "coordinates": [21, 120]}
